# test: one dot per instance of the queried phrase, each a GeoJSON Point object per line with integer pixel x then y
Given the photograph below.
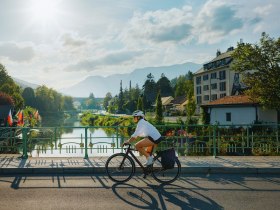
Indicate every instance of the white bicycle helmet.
{"type": "Point", "coordinates": [138, 113]}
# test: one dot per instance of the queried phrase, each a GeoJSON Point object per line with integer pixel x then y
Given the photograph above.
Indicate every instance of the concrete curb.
{"type": "Point", "coordinates": [101, 170]}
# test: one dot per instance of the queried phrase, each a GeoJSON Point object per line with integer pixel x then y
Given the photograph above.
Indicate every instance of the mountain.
{"type": "Point", "coordinates": [23, 84]}
{"type": "Point", "coordinates": [99, 86]}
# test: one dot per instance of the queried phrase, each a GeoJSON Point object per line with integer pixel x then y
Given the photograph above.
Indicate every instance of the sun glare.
{"type": "Point", "coordinates": [44, 11]}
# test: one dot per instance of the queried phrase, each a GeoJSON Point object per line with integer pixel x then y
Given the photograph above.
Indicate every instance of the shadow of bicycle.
{"type": "Point", "coordinates": [163, 197]}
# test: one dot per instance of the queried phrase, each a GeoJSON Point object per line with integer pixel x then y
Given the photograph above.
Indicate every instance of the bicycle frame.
{"type": "Point", "coordinates": [129, 151]}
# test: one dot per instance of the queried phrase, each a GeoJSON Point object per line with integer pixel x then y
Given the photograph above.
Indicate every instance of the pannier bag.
{"type": "Point", "coordinates": [168, 158]}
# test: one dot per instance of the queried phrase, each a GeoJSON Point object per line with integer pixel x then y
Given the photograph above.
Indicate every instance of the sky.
{"type": "Point", "coordinates": [61, 42]}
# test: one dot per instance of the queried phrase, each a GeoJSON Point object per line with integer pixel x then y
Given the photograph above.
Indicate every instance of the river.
{"type": "Point", "coordinates": [71, 141]}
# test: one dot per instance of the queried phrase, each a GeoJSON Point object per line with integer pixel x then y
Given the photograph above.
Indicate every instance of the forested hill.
{"type": "Point", "coordinates": [99, 85]}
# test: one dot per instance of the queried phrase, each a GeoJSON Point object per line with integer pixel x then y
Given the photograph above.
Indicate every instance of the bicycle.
{"type": "Point", "coordinates": [121, 167]}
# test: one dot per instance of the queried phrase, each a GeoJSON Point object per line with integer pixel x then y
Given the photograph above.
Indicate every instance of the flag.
{"type": "Point", "coordinates": [10, 119]}
{"type": "Point", "coordinates": [20, 118]}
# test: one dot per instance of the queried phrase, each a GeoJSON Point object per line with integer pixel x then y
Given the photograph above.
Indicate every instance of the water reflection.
{"type": "Point", "coordinates": [70, 142]}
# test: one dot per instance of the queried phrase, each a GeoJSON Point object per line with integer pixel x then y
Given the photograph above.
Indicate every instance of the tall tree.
{"type": "Point", "coordinates": [263, 59]}
{"type": "Point", "coordinates": [149, 91]}
{"type": "Point", "coordinates": [4, 77]}
{"type": "Point", "coordinates": [183, 85]}
{"type": "Point", "coordinates": [159, 109]}
{"type": "Point", "coordinates": [140, 104]}
{"type": "Point", "coordinates": [190, 108]}
{"type": "Point", "coordinates": [121, 99]}
{"type": "Point", "coordinates": [28, 95]}
{"type": "Point", "coordinates": [8, 86]}
{"type": "Point", "coordinates": [106, 100]}
{"type": "Point", "coordinates": [164, 86]}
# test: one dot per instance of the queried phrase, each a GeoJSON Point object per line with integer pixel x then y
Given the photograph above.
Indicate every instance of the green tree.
{"type": "Point", "coordinates": [68, 103]}
{"type": "Point", "coordinates": [8, 86]}
{"type": "Point", "coordinates": [184, 85]}
{"type": "Point", "coordinates": [121, 99]}
{"type": "Point", "coordinates": [91, 102]}
{"type": "Point", "coordinates": [149, 91]}
{"type": "Point", "coordinates": [190, 108]}
{"type": "Point", "coordinates": [4, 77]}
{"type": "Point", "coordinates": [106, 100]}
{"type": "Point", "coordinates": [48, 101]}
{"type": "Point", "coordinates": [140, 104]}
{"type": "Point", "coordinates": [28, 95]}
{"type": "Point", "coordinates": [164, 86]}
{"type": "Point", "coordinates": [263, 60]}
{"type": "Point", "coordinates": [159, 110]}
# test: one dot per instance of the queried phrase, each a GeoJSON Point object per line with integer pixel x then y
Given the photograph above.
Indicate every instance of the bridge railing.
{"type": "Point", "coordinates": [105, 140]}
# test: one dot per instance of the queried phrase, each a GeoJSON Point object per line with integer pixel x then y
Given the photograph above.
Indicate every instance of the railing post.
{"type": "Point", "coordinates": [55, 137]}
{"type": "Point", "coordinates": [214, 141]}
{"type": "Point", "coordinates": [86, 141]}
{"type": "Point", "coordinates": [277, 139]}
{"type": "Point", "coordinates": [24, 143]}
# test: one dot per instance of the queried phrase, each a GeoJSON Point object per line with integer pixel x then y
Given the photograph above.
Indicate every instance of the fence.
{"type": "Point", "coordinates": [106, 140]}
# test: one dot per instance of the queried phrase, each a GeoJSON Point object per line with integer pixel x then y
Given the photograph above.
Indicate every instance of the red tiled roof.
{"type": "Point", "coordinates": [231, 100]}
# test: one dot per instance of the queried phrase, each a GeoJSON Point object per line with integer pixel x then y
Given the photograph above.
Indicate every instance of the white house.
{"type": "Point", "coordinates": [238, 110]}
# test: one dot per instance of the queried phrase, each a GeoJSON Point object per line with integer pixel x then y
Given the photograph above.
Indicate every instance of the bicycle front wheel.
{"type": "Point", "coordinates": [120, 167]}
{"type": "Point", "coordinates": [165, 176]}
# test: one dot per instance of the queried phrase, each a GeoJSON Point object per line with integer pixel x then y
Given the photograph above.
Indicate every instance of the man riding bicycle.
{"type": "Point", "coordinates": [144, 129]}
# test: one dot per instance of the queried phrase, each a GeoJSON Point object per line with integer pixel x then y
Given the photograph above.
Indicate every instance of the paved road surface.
{"type": "Point", "coordinates": [98, 192]}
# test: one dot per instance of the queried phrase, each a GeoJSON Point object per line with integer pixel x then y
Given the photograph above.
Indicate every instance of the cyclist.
{"type": "Point", "coordinates": [148, 131]}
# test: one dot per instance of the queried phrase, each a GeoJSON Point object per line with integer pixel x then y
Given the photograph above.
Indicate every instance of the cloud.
{"type": "Point", "coordinates": [263, 10]}
{"type": "Point", "coordinates": [69, 41]}
{"type": "Point", "coordinates": [173, 25]}
{"type": "Point", "coordinates": [216, 20]}
{"type": "Point", "coordinates": [16, 53]}
{"type": "Point", "coordinates": [213, 22]}
{"type": "Point", "coordinates": [113, 58]}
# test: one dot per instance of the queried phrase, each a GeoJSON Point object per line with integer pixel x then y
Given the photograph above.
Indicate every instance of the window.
{"type": "Point", "coordinates": [213, 97]}
{"type": "Point", "coordinates": [228, 117]}
{"type": "Point", "coordinates": [205, 87]}
{"type": "Point", "coordinates": [214, 86]}
{"type": "Point", "coordinates": [198, 99]}
{"type": "Point", "coordinates": [198, 90]}
{"type": "Point", "coordinates": [205, 77]}
{"type": "Point", "coordinates": [206, 98]}
{"type": "Point", "coordinates": [222, 95]}
{"type": "Point", "coordinates": [222, 75]}
{"type": "Point", "coordinates": [214, 75]}
{"type": "Point", "coordinates": [222, 86]}
{"type": "Point", "coordinates": [198, 80]}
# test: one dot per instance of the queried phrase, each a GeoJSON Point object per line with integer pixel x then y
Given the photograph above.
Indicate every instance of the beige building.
{"type": "Point", "coordinates": [215, 79]}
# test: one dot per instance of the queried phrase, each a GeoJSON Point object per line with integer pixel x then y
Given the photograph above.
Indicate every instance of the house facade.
{"type": "Point", "coordinates": [215, 80]}
{"type": "Point", "coordinates": [238, 109]}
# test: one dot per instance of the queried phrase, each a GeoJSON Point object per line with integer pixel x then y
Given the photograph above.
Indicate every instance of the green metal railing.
{"type": "Point", "coordinates": [188, 140]}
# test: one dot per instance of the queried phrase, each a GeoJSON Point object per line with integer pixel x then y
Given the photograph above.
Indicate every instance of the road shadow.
{"type": "Point", "coordinates": [183, 197]}
{"type": "Point", "coordinates": [136, 197]}
{"type": "Point", "coordinates": [166, 195]}
{"type": "Point", "coordinates": [57, 181]}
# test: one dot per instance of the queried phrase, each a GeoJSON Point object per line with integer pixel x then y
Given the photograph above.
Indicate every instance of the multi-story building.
{"type": "Point", "coordinates": [215, 79]}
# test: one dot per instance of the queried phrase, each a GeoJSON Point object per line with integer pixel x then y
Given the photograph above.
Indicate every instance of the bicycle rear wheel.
{"type": "Point", "coordinates": [120, 167]}
{"type": "Point", "coordinates": [165, 176]}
